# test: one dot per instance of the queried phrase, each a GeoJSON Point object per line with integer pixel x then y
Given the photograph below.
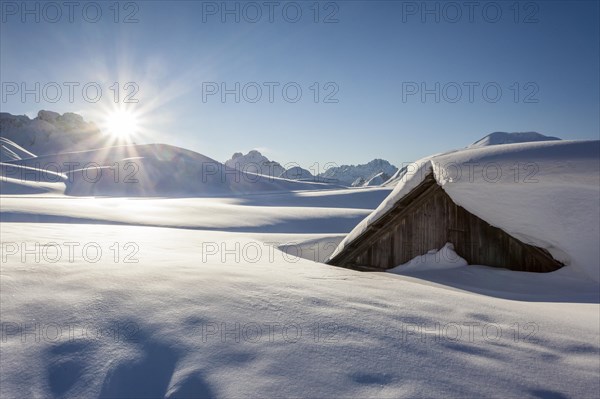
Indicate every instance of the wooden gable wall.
{"type": "Point", "coordinates": [426, 219]}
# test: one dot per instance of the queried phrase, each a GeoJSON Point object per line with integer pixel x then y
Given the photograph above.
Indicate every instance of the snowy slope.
{"type": "Point", "coordinates": [546, 194]}
{"type": "Point", "coordinates": [10, 151]}
{"type": "Point", "coordinates": [17, 179]}
{"type": "Point", "coordinates": [377, 180]}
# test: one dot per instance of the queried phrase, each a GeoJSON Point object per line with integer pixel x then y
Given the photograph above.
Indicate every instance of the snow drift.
{"type": "Point", "coordinates": [442, 259]}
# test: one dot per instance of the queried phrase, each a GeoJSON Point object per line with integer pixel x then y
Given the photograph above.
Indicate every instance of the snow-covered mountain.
{"type": "Point", "coordinates": [359, 175]}
{"type": "Point", "coordinates": [51, 133]}
{"type": "Point", "coordinates": [255, 162]}
{"type": "Point", "coordinates": [297, 173]}
{"type": "Point", "coordinates": [374, 173]}
{"type": "Point", "coordinates": [510, 138]}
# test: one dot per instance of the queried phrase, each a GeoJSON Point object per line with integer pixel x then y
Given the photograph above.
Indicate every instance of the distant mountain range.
{"type": "Point", "coordinates": [51, 133]}
{"type": "Point", "coordinates": [368, 174]}
{"type": "Point", "coordinates": [372, 173]}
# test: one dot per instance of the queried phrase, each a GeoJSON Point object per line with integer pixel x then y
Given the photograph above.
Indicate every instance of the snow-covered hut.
{"type": "Point", "coordinates": [529, 207]}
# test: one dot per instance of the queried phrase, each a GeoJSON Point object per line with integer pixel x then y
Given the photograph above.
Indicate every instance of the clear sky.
{"type": "Point", "coordinates": [396, 80]}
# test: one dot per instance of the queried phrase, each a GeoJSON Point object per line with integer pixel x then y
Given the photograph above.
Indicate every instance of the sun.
{"type": "Point", "coordinates": [121, 124]}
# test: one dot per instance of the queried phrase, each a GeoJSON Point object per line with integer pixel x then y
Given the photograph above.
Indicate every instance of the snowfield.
{"type": "Point", "coordinates": [183, 322]}
{"type": "Point", "coordinates": [220, 290]}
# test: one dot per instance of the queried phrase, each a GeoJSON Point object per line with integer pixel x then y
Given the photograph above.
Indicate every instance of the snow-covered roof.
{"type": "Point", "coordinates": [545, 194]}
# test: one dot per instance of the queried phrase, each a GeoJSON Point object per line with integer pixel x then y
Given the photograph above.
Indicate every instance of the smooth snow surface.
{"type": "Point", "coordinates": [192, 320]}
{"type": "Point", "coordinates": [326, 211]}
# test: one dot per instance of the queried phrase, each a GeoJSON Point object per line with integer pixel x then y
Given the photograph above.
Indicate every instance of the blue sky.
{"type": "Point", "coordinates": [375, 58]}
